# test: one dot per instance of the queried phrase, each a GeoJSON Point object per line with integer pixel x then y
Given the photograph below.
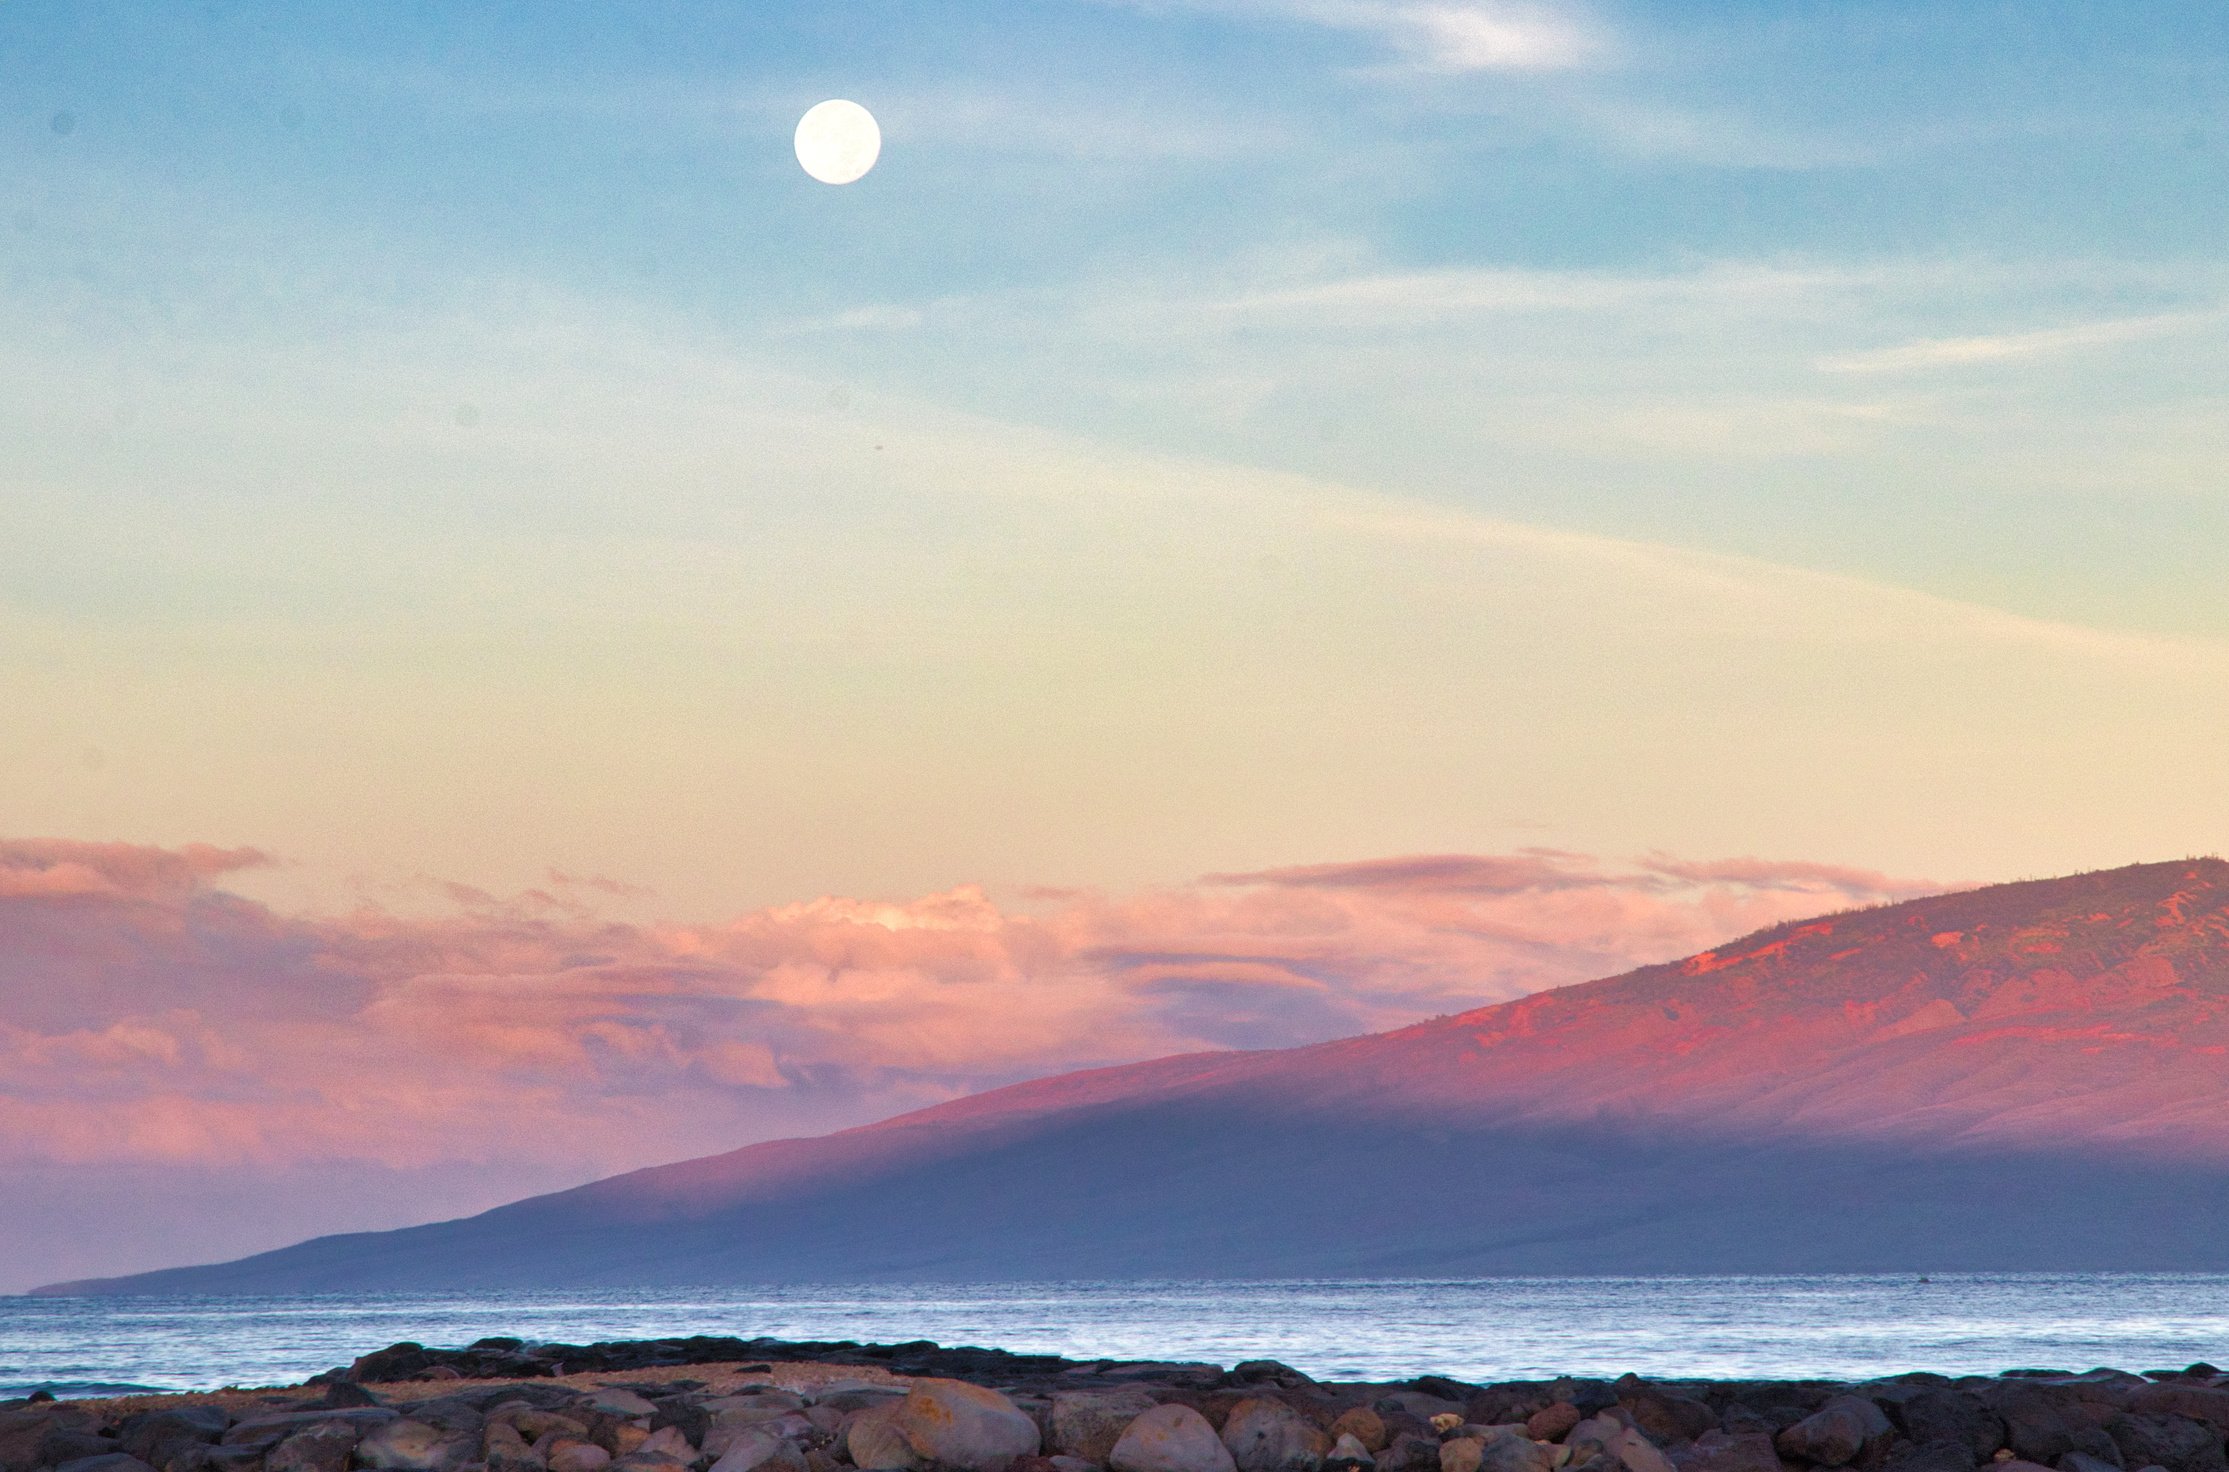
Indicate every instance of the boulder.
{"type": "Point", "coordinates": [565, 1454]}
{"type": "Point", "coordinates": [1634, 1452]}
{"type": "Point", "coordinates": [222, 1458]}
{"type": "Point", "coordinates": [534, 1423]}
{"type": "Point", "coordinates": [1348, 1455]}
{"type": "Point", "coordinates": [1590, 1396]}
{"type": "Point", "coordinates": [1739, 1451]}
{"type": "Point", "coordinates": [1846, 1430]}
{"type": "Point", "coordinates": [1553, 1422]}
{"type": "Point", "coordinates": [104, 1462]}
{"type": "Point", "coordinates": [781, 1425]}
{"type": "Point", "coordinates": [954, 1424]}
{"type": "Point", "coordinates": [756, 1450]}
{"type": "Point", "coordinates": [1593, 1435]}
{"type": "Point", "coordinates": [1946, 1416]}
{"type": "Point", "coordinates": [1929, 1456]}
{"type": "Point", "coordinates": [1666, 1418]}
{"type": "Point", "coordinates": [1777, 1403]}
{"type": "Point", "coordinates": [1522, 1454]}
{"type": "Point", "coordinates": [1495, 1449]}
{"type": "Point", "coordinates": [504, 1449]}
{"type": "Point", "coordinates": [22, 1427]}
{"type": "Point", "coordinates": [270, 1430]}
{"type": "Point", "coordinates": [347, 1395]}
{"type": "Point", "coordinates": [664, 1448]}
{"type": "Point", "coordinates": [321, 1448]}
{"type": "Point", "coordinates": [1170, 1438]}
{"type": "Point", "coordinates": [458, 1414]}
{"type": "Point", "coordinates": [406, 1445]}
{"type": "Point", "coordinates": [1409, 1452]}
{"type": "Point", "coordinates": [875, 1442]}
{"type": "Point", "coordinates": [2194, 1402]}
{"type": "Point", "coordinates": [1266, 1435]}
{"type": "Point", "coordinates": [746, 1451]}
{"type": "Point", "coordinates": [687, 1415]}
{"type": "Point", "coordinates": [404, 1361]}
{"type": "Point", "coordinates": [205, 1457]}
{"type": "Point", "coordinates": [157, 1436]}
{"type": "Point", "coordinates": [1365, 1425]}
{"type": "Point", "coordinates": [2035, 1427]}
{"type": "Point", "coordinates": [1740, 1420]}
{"type": "Point", "coordinates": [622, 1403]}
{"type": "Point", "coordinates": [1087, 1424]}
{"type": "Point", "coordinates": [1268, 1372]}
{"type": "Point", "coordinates": [639, 1460]}
{"type": "Point", "coordinates": [2088, 1462]}
{"type": "Point", "coordinates": [2174, 1442]}
{"type": "Point", "coordinates": [2092, 1442]}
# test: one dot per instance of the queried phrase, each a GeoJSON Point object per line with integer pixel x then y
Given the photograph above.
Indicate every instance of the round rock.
{"type": "Point", "coordinates": [954, 1424]}
{"type": "Point", "coordinates": [1087, 1424]}
{"type": "Point", "coordinates": [1265, 1435]}
{"type": "Point", "coordinates": [1171, 1438]}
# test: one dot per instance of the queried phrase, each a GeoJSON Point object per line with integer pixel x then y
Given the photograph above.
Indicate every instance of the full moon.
{"type": "Point", "coordinates": [837, 141]}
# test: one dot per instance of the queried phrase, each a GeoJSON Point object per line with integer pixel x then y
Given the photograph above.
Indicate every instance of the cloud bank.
{"type": "Point", "coordinates": [149, 1017]}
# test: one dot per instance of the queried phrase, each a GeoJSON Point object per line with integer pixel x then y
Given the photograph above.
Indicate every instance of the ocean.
{"type": "Point", "coordinates": [1839, 1326]}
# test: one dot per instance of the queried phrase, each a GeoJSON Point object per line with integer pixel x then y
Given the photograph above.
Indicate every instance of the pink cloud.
{"type": "Point", "coordinates": [147, 1016]}
{"type": "Point", "coordinates": [55, 868]}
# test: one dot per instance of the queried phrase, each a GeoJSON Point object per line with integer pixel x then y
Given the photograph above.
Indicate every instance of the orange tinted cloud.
{"type": "Point", "coordinates": [149, 1016]}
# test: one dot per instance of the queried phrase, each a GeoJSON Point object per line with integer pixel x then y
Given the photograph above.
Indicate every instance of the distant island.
{"type": "Point", "coordinates": [763, 1405]}
{"type": "Point", "coordinates": [2025, 1076]}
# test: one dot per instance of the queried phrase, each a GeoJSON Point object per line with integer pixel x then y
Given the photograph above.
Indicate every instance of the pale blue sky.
{"type": "Point", "coordinates": [1064, 179]}
{"type": "Point", "coordinates": [356, 349]}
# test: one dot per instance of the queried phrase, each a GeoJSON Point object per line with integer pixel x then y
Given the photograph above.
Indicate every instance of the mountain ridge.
{"type": "Point", "coordinates": [2057, 1046]}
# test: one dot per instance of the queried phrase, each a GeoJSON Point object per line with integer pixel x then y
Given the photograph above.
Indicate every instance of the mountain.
{"type": "Point", "coordinates": [2027, 1076]}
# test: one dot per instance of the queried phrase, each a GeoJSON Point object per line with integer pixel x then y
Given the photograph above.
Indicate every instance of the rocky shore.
{"type": "Point", "coordinates": [734, 1405]}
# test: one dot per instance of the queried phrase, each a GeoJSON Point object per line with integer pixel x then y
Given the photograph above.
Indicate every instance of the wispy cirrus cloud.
{"type": "Point", "coordinates": [1532, 870]}
{"type": "Point", "coordinates": [1450, 37]}
{"type": "Point", "coordinates": [1457, 38]}
{"type": "Point", "coordinates": [1981, 349]}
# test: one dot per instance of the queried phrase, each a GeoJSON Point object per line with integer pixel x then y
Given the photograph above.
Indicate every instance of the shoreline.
{"type": "Point", "coordinates": [724, 1404]}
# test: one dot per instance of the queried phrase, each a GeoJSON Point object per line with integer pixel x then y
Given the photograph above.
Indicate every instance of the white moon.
{"type": "Point", "coordinates": [837, 141]}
